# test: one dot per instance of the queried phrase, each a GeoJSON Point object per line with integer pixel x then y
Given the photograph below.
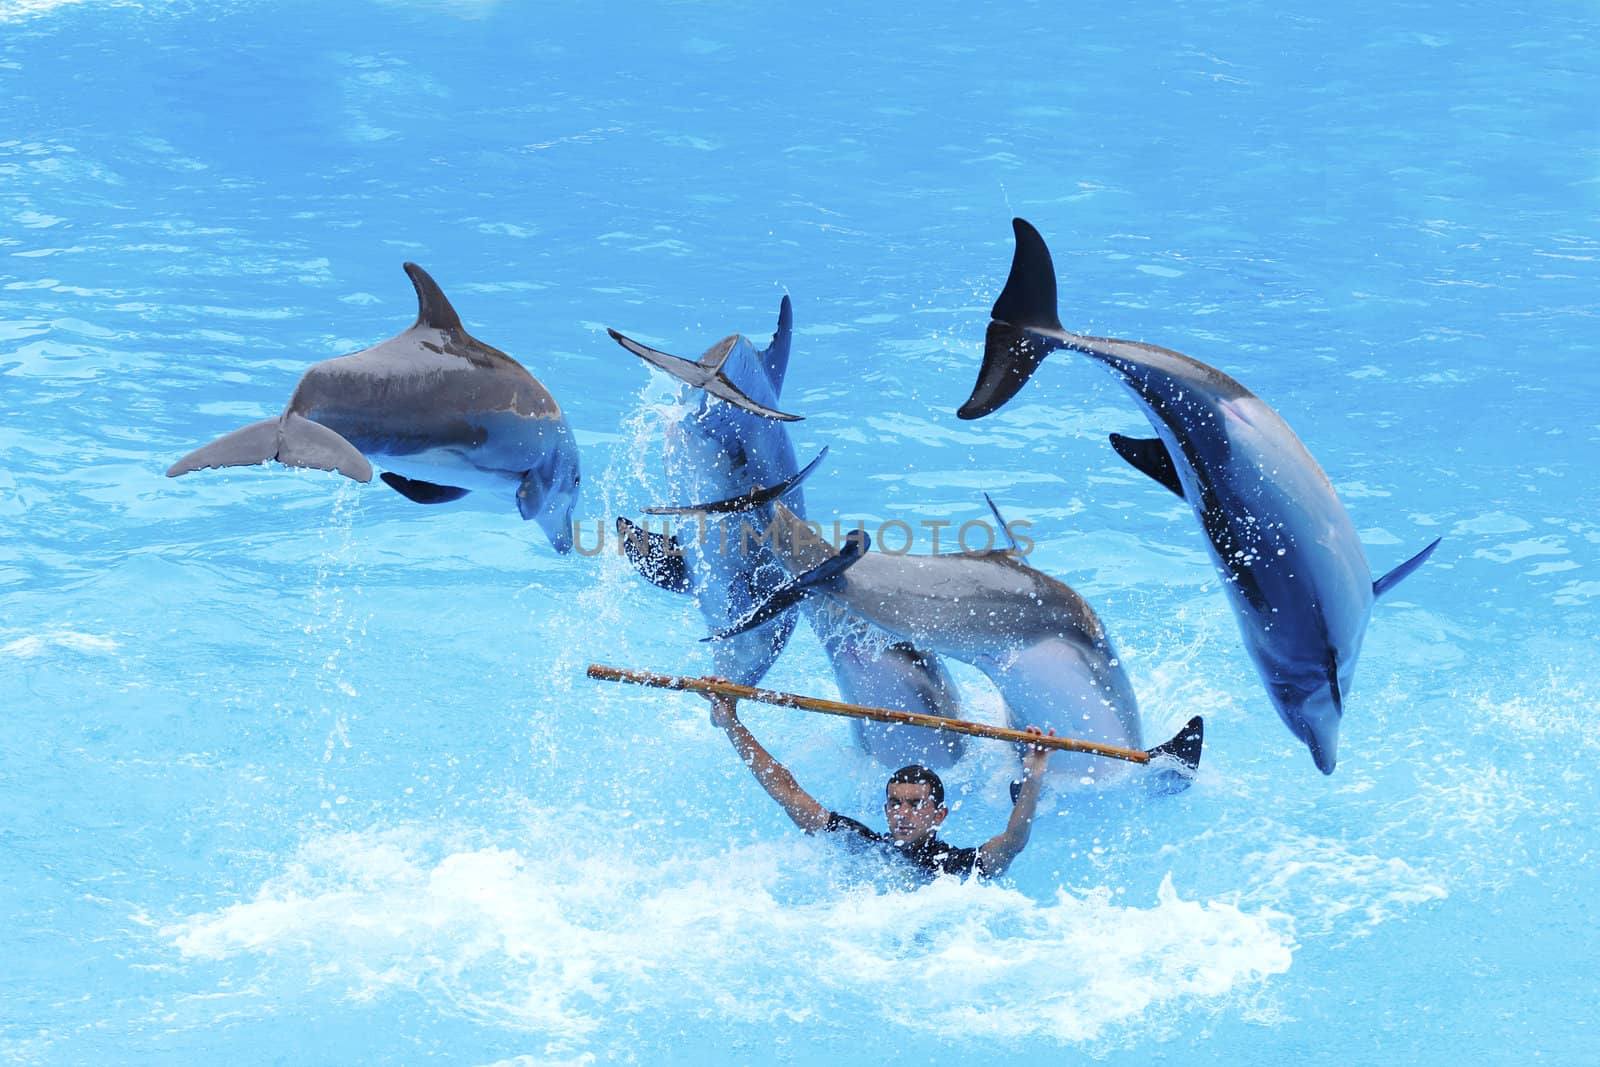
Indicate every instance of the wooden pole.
{"type": "Point", "coordinates": [857, 711]}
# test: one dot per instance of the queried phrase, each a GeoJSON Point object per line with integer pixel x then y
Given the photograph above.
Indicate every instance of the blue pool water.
{"type": "Point", "coordinates": [295, 771]}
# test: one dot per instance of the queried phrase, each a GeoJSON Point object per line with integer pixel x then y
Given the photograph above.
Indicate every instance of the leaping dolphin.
{"type": "Point", "coordinates": [1033, 636]}
{"type": "Point", "coordinates": [1280, 539]}
{"type": "Point", "coordinates": [442, 412]}
{"type": "Point", "coordinates": [732, 450]}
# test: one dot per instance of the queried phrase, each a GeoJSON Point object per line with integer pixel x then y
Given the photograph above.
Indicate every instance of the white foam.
{"type": "Point", "coordinates": [555, 946]}
{"type": "Point", "coordinates": [36, 645]}
{"type": "Point", "coordinates": [1333, 888]}
{"type": "Point", "coordinates": [16, 10]}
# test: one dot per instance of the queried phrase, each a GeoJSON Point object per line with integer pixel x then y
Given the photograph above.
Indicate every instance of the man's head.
{"type": "Point", "coordinates": [914, 804]}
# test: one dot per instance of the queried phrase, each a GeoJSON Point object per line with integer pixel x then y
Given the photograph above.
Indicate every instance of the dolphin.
{"type": "Point", "coordinates": [1034, 637]}
{"type": "Point", "coordinates": [1280, 538]}
{"type": "Point", "coordinates": [731, 450]}
{"type": "Point", "coordinates": [442, 412]}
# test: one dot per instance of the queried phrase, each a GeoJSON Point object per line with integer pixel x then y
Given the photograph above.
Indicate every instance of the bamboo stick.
{"type": "Point", "coordinates": [857, 711]}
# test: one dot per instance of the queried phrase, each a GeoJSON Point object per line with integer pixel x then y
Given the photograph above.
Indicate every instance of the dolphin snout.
{"type": "Point", "coordinates": [1324, 750]}
{"type": "Point", "coordinates": [561, 539]}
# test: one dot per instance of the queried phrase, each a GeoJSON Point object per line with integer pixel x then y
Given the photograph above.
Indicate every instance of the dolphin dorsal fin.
{"type": "Point", "coordinates": [433, 307]}
{"type": "Point", "coordinates": [1011, 538]}
{"type": "Point", "coordinates": [1149, 456]}
{"type": "Point", "coordinates": [775, 358]}
{"type": "Point", "coordinates": [1396, 576]}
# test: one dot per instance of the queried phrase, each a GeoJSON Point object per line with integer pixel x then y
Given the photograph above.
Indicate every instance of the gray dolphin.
{"type": "Point", "coordinates": [442, 412]}
{"type": "Point", "coordinates": [1281, 540]}
{"type": "Point", "coordinates": [1033, 636]}
{"type": "Point", "coordinates": [731, 447]}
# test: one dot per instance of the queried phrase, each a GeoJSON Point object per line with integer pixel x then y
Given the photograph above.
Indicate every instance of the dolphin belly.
{"type": "Point", "coordinates": [1291, 565]}
{"type": "Point", "coordinates": [729, 574]}
{"type": "Point", "coordinates": [1080, 691]}
{"type": "Point", "coordinates": [447, 466]}
{"type": "Point", "coordinates": [875, 670]}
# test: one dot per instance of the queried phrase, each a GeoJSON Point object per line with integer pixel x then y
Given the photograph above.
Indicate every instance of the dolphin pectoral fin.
{"type": "Point", "coordinates": [303, 443]}
{"type": "Point", "coordinates": [1396, 576]}
{"type": "Point", "coordinates": [657, 557]}
{"type": "Point", "coordinates": [782, 599]}
{"type": "Point", "coordinates": [247, 447]}
{"type": "Point", "coordinates": [755, 498]}
{"type": "Point", "coordinates": [1184, 751]}
{"type": "Point", "coordinates": [1149, 456]}
{"type": "Point", "coordinates": [531, 492]}
{"type": "Point", "coordinates": [1012, 347]}
{"type": "Point", "coordinates": [816, 580]}
{"type": "Point", "coordinates": [775, 358]}
{"type": "Point", "coordinates": [422, 492]}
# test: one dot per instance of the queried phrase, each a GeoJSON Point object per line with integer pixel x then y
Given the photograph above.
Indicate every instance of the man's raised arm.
{"type": "Point", "coordinates": [774, 777]}
{"type": "Point", "coordinates": [996, 854]}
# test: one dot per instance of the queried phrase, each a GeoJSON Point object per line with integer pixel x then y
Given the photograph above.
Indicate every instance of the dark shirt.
{"type": "Point", "coordinates": [930, 856]}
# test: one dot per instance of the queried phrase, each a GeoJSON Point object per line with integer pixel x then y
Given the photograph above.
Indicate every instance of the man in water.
{"type": "Point", "coordinates": [913, 804]}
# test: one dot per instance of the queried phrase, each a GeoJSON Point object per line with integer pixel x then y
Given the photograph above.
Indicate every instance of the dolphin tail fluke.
{"type": "Point", "coordinates": [1012, 350]}
{"type": "Point", "coordinates": [290, 439]}
{"type": "Point", "coordinates": [1149, 456]}
{"type": "Point", "coordinates": [303, 443]}
{"type": "Point", "coordinates": [657, 557]}
{"type": "Point", "coordinates": [721, 386]}
{"type": "Point", "coordinates": [1399, 574]}
{"type": "Point", "coordinates": [255, 444]}
{"type": "Point", "coordinates": [706, 374]}
{"type": "Point", "coordinates": [775, 359]}
{"type": "Point", "coordinates": [819, 579]}
{"type": "Point", "coordinates": [755, 498]}
{"type": "Point", "coordinates": [1029, 298]}
{"type": "Point", "coordinates": [433, 307]}
{"type": "Point", "coordinates": [1174, 764]}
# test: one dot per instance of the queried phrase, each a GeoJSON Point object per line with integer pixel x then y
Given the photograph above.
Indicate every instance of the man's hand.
{"type": "Point", "coordinates": [724, 711]}
{"type": "Point", "coordinates": [1037, 756]}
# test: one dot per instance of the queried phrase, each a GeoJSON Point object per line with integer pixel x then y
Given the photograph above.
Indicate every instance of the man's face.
{"type": "Point", "coordinates": [911, 812]}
